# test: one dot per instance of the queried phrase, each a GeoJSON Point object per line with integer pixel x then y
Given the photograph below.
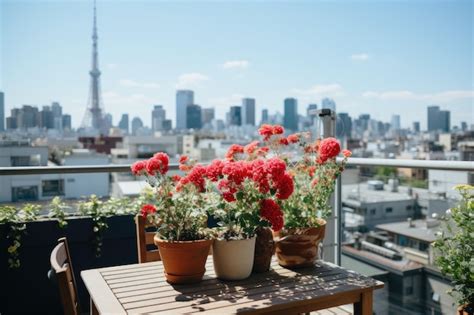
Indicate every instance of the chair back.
{"type": "Point", "coordinates": [61, 266]}
{"type": "Point", "coordinates": [147, 250]}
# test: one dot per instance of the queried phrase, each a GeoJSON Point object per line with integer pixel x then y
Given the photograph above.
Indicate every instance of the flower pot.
{"type": "Point", "coordinates": [233, 260]}
{"type": "Point", "coordinates": [298, 248]}
{"type": "Point", "coordinates": [264, 249]}
{"type": "Point", "coordinates": [184, 261]}
{"type": "Point", "coordinates": [466, 309]}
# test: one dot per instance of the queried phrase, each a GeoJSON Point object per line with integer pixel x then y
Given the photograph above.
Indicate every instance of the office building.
{"type": "Point", "coordinates": [183, 99]}
{"type": "Point", "coordinates": [248, 112]}
{"type": "Point", "coordinates": [124, 123]}
{"type": "Point", "coordinates": [193, 117]}
{"type": "Point", "coordinates": [66, 122]}
{"type": "Point", "coordinates": [235, 116]}
{"type": "Point", "coordinates": [158, 116]}
{"type": "Point", "coordinates": [57, 115]}
{"type": "Point", "coordinates": [137, 124]}
{"type": "Point", "coordinates": [290, 119]}
{"type": "Point", "coordinates": [395, 122]}
{"type": "Point", "coordinates": [208, 115]}
{"type": "Point", "coordinates": [438, 120]}
{"type": "Point", "coordinates": [344, 126]}
{"type": "Point", "coordinates": [2, 111]}
{"type": "Point", "coordinates": [416, 126]}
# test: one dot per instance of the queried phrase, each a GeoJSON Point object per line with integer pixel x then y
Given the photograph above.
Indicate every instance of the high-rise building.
{"type": "Point", "coordinates": [25, 117]}
{"type": "Point", "coordinates": [158, 116]}
{"type": "Point", "coordinates": [235, 116]}
{"type": "Point", "coordinates": [290, 119]}
{"type": "Point", "coordinates": [123, 124]}
{"type": "Point", "coordinates": [193, 117]}
{"type": "Point", "coordinates": [183, 99]}
{"type": "Point", "coordinates": [208, 115]}
{"type": "Point", "coordinates": [344, 126]}
{"type": "Point", "coordinates": [438, 120]}
{"type": "Point", "coordinates": [463, 126]}
{"type": "Point", "coordinates": [108, 123]}
{"type": "Point", "coordinates": [265, 116]}
{"type": "Point", "coordinates": [93, 119]}
{"type": "Point", "coordinates": [57, 115]}
{"type": "Point", "coordinates": [137, 124]}
{"type": "Point", "coordinates": [248, 111]}
{"type": "Point", "coordinates": [311, 113]}
{"type": "Point", "coordinates": [66, 118]}
{"type": "Point", "coordinates": [329, 104]}
{"type": "Point", "coordinates": [46, 118]}
{"type": "Point", "coordinates": [2, 111]}
{"type": "Point", "coordinates": [416, 127]}
{"type": "Point", "coordinates": [395, 122]}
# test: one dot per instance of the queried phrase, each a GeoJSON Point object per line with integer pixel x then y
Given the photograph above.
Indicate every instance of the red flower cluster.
{"type": "Point", "coordinates": [233, 150]}
{"type": "Point", "coordinates": [268, 130]}
{"type": "Point", "coordinates": [158, 163]}
{"type": "Point", "coordinates": [293, 138]}
{"type": "Point", "coordinates": [251, 147]}
{"type": "Point", "coordinates": [271, 211]}
{"type": "Point", "coordinates": [214, 170]}
{"type": "Point", "coordinates": [147, 209]}
{"type": "Point", "coordinates": [328, 148]}
{"type": "Point", "coordinates": [346, 153]}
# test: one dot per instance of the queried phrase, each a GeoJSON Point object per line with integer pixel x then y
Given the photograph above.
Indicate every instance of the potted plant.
{"type": "Point", "coordinates": [176, 208]}
{"type": "Point", "coordinates": [250, 190]}
{"type": "Point", "coordinates": [455, 250]}
{"type": "Point", "coordinates": [314, 172]}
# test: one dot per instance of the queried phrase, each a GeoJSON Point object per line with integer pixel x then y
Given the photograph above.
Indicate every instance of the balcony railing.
{"type": "Point", "coordinates": [333, 238]}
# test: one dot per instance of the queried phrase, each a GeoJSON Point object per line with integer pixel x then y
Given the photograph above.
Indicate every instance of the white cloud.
{"type": "Point", "coordinates": [360, 57]}
{"type": "Point", "coordinates": [226, 101]}
{"type": "Point", "coordinates": [405, 95]}
{"type": "Point", "coordinates": [320, 90]}
{"type": "Point", "coordinates": [236, 64]}
{"type": "Point", "coordinates": [188, 80]}
{"type": "Point", "coordinates": [145, 85]}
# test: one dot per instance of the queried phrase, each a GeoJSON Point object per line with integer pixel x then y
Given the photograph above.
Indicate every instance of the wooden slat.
{"type": "Point", "coordinates": [101, 295]}
{"type": "Point", "coordinates": [149, 237]}
{"type": "Point", "coordinates": [142, 289]}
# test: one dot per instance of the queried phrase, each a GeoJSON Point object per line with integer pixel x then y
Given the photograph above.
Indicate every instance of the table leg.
{"type": "Point", "coordinates": [94, 310]}
{"type": "Point", "coordinates": [364, 306]}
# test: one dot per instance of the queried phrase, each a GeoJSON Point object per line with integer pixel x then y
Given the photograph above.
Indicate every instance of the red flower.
{"type": "Point", "coordinates": [283, 141]}
{"type": "Point", "coordinates": [260, 176]}
{"type": "Point", "coordinates": [147, 209]}
{"type": "Point", "coordinates": [278, 130]}
{"type": "Point", "coordinates": [346, 153]}
{"type": "Point", "coordinates": [285, 187]}
{"type": "Point", "coordinates": [275, 167]}
{"type": "Point", "coordinates": [183, 159]}
{"type": "Point", "coordinates": [138, 168]}
{"type": "Point", "coordinates": [271, 211]}
{"type": "Point", "coordinates": [293, 138]}
{"type": "Point", "coordinates": [263, 151]}
{"type": "Point", "coordinates": [196, 177]}
{"type": "Point", "coordinates": [251, 147]}
{"type": "Point", "coordinates": [233, 150]}
{"type": "Point", "coordinates": [227, 190]}
{"type": "Point", "coordinates": [214, 170]}
{"type": "Point", "coordinates": [176, 178]}
{"type": "Point", "coordinates": [159, 162]}
{"type": "Point", "coordinates": [236, 171]}
{"type": "Point", "coordinates": [266, 131]}
{"type": "Point", "coordinates": [329, 148]}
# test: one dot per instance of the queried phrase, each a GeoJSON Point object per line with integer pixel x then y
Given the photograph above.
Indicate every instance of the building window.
{"type": "Point", "coordinates": [26, 160]}
{"type": "Point", "coordinates": [24, 193]}
{"type": "Point", "coordinates": [388, 210]}
{"type": "Point", "coordinates": [372, 211]}
{"type": "Point", "coordinates": [408, 290]}
{"type": "Point", "coordinates": [409, 207]}
{"type": "Point", "coordinates": [54, 187]}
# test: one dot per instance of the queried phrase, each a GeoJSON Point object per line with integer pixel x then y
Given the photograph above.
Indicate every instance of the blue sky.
{"type": "Point", "coordinates": [378, 57]}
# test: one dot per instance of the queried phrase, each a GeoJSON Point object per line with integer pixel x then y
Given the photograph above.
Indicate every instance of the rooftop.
{"type": "Point", "coordinates": [423, 230]}
{"type": "Point", "coordinates": [362, 193]}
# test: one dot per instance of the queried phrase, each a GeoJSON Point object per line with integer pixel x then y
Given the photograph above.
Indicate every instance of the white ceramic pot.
{"type": "Point", "coordinates": [233, 260]}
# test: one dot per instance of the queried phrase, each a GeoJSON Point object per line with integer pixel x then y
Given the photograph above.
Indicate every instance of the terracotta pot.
{"type": "Point", "coordinates": [233, 260]}
{"type": "Point", "coordinates": [466, 309]}
{"type": "Point", "coordinates": [264, 249]}
{"type": "Point", "coordinates": [298, 248]}
{"type": "Point", "coordinates": [184, 262]}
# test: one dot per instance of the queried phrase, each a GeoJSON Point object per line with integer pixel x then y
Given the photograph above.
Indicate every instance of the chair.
{"type": "Point", "coordinates": [61, 269]}
{"type": "Point", "coordinates": [145, 241]}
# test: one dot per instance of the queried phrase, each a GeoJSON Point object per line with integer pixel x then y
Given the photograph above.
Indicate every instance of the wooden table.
{"type": "Point", "coordinates": [142, 288]}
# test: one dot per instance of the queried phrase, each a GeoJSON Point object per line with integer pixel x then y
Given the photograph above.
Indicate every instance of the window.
{"type": "Point", "coordinates": [373, 211]}
{"type": "Point", "coordinates": [24, 193]}
{"type": "Point", "coordinates": [54, 187]}
{"type": "Point", "coordinates": [389, 210]}
{"type": "Point", "coordinates": [26, 160]}
{"type": "Point", "coordinates": [408, 290]}
{"type": "Point", "coordinates": [409, 207]}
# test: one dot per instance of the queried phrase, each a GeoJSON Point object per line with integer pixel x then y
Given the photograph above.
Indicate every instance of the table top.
{"type": "Point", "coordinates": [142, 288]}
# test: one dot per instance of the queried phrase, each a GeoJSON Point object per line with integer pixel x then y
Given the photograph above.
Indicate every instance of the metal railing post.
{"type": "Point", "coordinates": [338, 211]}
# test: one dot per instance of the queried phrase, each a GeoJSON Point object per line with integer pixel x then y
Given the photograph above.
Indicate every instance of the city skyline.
{"type": "Point", "coordinates": [221, 80]}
